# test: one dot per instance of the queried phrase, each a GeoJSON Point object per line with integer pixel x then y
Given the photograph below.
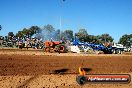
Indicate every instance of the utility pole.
{"type": "Point", "coordinates": [60, 21]}
{"type": "Point", "coordinates": [60, 27]}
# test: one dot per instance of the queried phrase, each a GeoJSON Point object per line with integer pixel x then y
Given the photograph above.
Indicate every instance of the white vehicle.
{"type": "Point", "coordinates": [79, 49]}
{"type": "Point", "coordinates": [118, 48]}
{"type": "Point", "coordinates": [130, 48]}
{"type": "Point", "coordinates": [125, 49]}
{"type": "Point", "coordinates": [75, 49]}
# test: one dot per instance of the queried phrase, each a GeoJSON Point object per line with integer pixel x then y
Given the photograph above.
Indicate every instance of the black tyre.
{"type": "Point", "coordinates": [118, 51]}
{"type": "Point", "coordinates": [61, 49]}
{"type": "Point", "coordinates": [81, 80]}
{"type": "Point", "coordinates": [20, 46]}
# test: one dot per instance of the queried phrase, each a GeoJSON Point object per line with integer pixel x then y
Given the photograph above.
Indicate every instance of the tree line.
{"type": "Point", "coordinates": [48, 31]}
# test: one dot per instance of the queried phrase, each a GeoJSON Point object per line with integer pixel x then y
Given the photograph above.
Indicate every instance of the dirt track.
{"type": "Point", "coordinates": [32, 70]}
{"type": "Point", "coordinates": [35, 65]}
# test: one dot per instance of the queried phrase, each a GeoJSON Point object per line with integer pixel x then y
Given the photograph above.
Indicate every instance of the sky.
{"type": "Point", "coordinates": [96, 16]}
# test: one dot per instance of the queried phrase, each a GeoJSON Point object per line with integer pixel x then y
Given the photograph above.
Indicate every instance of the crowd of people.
{"type": "Point", "coordinates": [16, 42]}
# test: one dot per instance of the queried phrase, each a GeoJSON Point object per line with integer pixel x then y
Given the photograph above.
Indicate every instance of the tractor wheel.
{"type": "Point", "coordinates": [113, 51]}
{"type": "Point", "coordinates": [20, 46]}
{"type": "Point", "coordinates": [47, 49]}
{"type": "Point", "coordinates": [61, 49]}
{"type": "Point", "coordinates": [118, 51]}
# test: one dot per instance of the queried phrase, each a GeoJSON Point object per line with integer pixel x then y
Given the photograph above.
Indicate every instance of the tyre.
{"type": "Point", "coordinates": [113, 51]}
{"type": "Point", "coordinates": [81, 80]}
{"type": "Point", "coordinates": [46, 49]}
{"type": "Point", "coordinates": [61, 49]}
{"type": "Point", "coordinates": [118, 51]}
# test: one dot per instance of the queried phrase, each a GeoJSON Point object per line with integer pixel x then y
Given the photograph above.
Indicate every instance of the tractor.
{"type": "Point", "coordinates": [54, 46]}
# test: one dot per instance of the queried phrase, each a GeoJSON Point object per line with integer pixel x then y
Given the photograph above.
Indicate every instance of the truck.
{"type": "Point", "coordinates": [117, 48]}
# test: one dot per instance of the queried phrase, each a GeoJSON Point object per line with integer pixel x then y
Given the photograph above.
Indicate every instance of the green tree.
{"type": "Point", "coordinates": [19, 34]}
{"type": "Point", "coordinates": [106, 38]}
{"type": "Point", "coordinates": [48, 32]}
{"type": "Point", "coordinates": [11, 34]}
{"type": "Point", "coordinates": [126, 40]}
{"type": "Point", "coordinates": [91, 39]}
{"type": "Point", "coordinates": [33, 30]}
{"type": "Point", "coordinates": [28, 32]}
{"type": "Point", "coordinates": [67, 35]}
{"type": "Point", "coordinates": [82, 34]}
{"type": "Point", "coordinates": [25, 32]}
{"type": "Point", "coordinates": [49, 28]}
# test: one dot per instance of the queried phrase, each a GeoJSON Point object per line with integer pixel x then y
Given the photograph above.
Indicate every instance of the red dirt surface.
{"type": "Point", "coordinates": [33, 66]}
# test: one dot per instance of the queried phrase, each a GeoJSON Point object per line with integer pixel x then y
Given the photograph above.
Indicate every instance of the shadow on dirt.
{"type": "Point", "coordinates": [67, 71]}
{"type": "Point", "coordinates": [87, 69]}
{"type": "Point", "coordinates": [60, 71]}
